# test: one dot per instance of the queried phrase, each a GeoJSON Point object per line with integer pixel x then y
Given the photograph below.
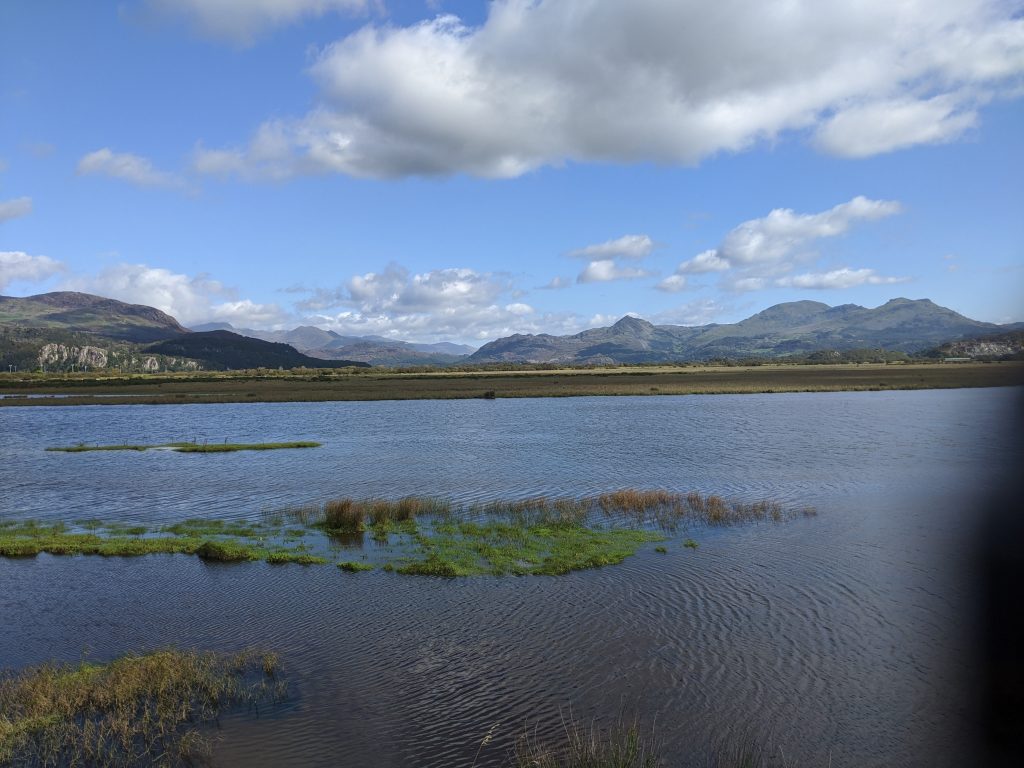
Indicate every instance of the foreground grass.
{"type": "Point", "coordinates": [254, 386]}
{"type": "Point", "coordinates": [188, 447]}
{"type": "Point", "coordinates": [137, 710]}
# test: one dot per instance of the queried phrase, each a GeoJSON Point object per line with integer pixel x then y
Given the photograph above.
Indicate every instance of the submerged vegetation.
{"type": "Point", "coordinates": [136, 710]}
{"type": "Point", "coordinates": [187, 447]}
{"type": "Point", "coordinates": [417, 535]}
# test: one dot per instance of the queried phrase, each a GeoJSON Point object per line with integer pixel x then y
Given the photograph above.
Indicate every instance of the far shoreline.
{"type": "Point", "coordinates": [263, 386]}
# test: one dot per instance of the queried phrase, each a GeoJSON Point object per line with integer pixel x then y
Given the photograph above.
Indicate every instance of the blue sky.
{"type": "Point", "coordinates": [463, 171]}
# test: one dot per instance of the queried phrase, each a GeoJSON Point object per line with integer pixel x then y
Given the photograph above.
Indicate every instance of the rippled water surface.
{"type": "Point", "coordinates": [843, 636]}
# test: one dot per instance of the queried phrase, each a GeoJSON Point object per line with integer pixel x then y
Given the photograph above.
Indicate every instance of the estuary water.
{"type": "Point", "coordinates": [845, 637]}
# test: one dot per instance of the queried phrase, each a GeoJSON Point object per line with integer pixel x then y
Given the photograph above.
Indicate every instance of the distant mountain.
{"type": "Point", "coordinates": [84, 313]}
{"type": "Point", "coordinates": [375, 350]}
{"type": "Point", "coordinates": [791, 328]}
{"type": "Point", "coordinates": [224, 349]}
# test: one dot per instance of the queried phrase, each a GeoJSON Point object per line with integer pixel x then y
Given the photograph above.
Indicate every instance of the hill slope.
{"type": "Point", "coordinates": [224, 349]}
{"type": "Point", "coordinates": [84, 313]}
{"type": "Point", "coordinates": [791, 328]}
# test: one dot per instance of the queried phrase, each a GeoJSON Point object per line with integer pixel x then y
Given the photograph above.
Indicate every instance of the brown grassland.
{"type": "Point", "coordinates": [373, 384]}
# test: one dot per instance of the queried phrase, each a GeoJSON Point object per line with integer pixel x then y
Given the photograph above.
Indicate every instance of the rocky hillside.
{"type": "Point", "coordinates": [793, 328]}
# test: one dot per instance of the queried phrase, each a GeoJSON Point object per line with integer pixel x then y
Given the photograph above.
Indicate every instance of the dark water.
{"type": "Point", "coordinates": [844, 637]}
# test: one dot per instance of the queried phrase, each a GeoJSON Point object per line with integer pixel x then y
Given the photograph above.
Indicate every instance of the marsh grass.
{"type": "Point", "coordinates": [148, 709]}
{"type": "Point", "coordinates": [188, 447]}
{"type": "Point", "coordinates": [624, 745]}
{"type": "Point", "coordinates": [419, 535]}
{"type": "Point", "coordinates": [353, 566]}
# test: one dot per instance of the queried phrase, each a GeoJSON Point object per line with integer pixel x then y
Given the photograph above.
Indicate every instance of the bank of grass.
{"type": "Point", "coordinates": [379, 384]}
{"type": "Point", "coordinates": [188, 447]}
{"type": "Point", "coordinates": [30, 539]}
{"type": "Point", "coordinates": [147, 709]}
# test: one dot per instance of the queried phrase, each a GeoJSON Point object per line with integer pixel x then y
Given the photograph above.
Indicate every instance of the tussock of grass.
{"type": "Point", "coordinates": [354, 515]}
{"type": "Point", "coordinates": [136, 710]}
{"type": "Point", "coordinates": [188, 447]}
{"type": "Point", "coordinates": [354, 567]}
{"type": "Point", "coordinates": [300, 558]}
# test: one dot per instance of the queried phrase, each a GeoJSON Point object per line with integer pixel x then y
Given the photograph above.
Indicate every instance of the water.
{"type": "Point", "coordinates": [846, 636]}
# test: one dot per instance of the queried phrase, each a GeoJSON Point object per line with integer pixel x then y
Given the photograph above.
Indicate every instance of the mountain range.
{"type": "Point", "coordinates": [375, 350]}
{"type": "Point", "coordinates": [65, 329]}
{"type": "Point", "coordinates": [793, 328]}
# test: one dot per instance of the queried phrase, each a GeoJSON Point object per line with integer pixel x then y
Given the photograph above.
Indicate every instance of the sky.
{"type": "Point", "coordinates": [467, 170]}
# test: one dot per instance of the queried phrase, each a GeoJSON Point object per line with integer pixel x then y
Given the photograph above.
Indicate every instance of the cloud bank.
{"type": "Point", "coordinates": [546, 82]}
{"type": "Point", "coordinates": [18, 265]}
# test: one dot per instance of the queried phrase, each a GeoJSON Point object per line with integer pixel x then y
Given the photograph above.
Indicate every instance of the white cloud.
{"type": "Point", "coordinates": [706, 261]}
{"type": "Point", "coordinates": [626, 247]}
{"type": "Point", "coordinates": [13, 209]}
{"type": "Point", "coordinates": [190, 299]}
{"type": "Point", "coordinates": [241, 21]}
{"type": "Point", "coordinates": [887, 125]}
{"type": "Point", "coordinates": [606, 270]}
{"type": "Point", "coordinates": [838, 278]}
{"type": "Point", "coordinates": [126, 166]}
{"type": "Point", "coordinates": [779, 234]}
{"type": "Point", "coordinates": [18, 265]}
{"type": "Point", "coordinates": [456, 303]}
{"type": "Point", "coordinates": [545, 82]}
{"type": "Point", "coordinates": [672, 284]}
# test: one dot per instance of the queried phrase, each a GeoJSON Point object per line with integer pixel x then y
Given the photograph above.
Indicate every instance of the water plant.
{"type": "Point", "coordinates": [135, 710]}
{"type": "Point", "coordinates": [354, 567]}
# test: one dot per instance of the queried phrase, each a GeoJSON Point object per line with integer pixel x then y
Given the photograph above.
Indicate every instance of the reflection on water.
{"type": "Point", "coordinates": [844, 635]}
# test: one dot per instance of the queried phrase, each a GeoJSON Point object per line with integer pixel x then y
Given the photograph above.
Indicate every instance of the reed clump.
{"type": "Point", "coordinates": [622, 746]}
{"type": "Point", "coordinates": [136, 710]}
{"type": "Point", "coordinates": [348, 514]}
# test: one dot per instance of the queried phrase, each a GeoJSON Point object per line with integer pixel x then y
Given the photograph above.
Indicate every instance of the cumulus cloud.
{"type": "Point", "coordinates": [131, 168]}
{"type": "Point", "coordinates": [779, 234]}
{"type": "Point", "coordinates": [18, 265]}
{"type": "Point", "coordinates": [16, 208]}
{"type": "Point", "coordinates": [606, 270]}
{"type": "Point", "coordinates": [626, 247]}
{"type": "Point", "coordinates": [454, 303]}
{"type": "Point", "coordinates": [190, 299]}
{"type": "Point", "coordinates": [545, 82]}
{"type": "Point", "coordinates": [838, 278]}
{"type": "Point", "coordinates": [241, 21]}
{"type": "Point", "coordinates": [758, 253]}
